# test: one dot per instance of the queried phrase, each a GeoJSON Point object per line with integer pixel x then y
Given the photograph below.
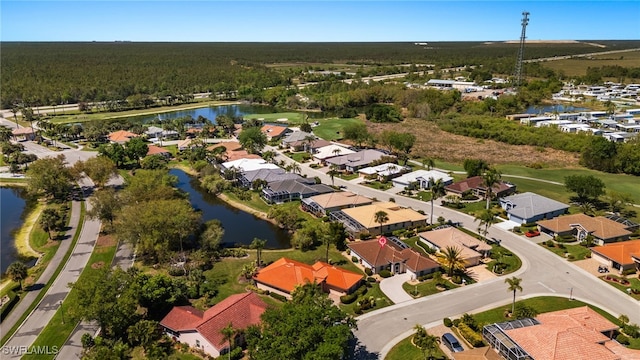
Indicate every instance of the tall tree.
{"type": "Point", "coordinates": [333, 171]}
{"type": "Point", "coordinates": [228, 335]}
{"type": "Point", "coordinates": [426, 342]}
{"type": "Point", "coordinates": [599, 154]}
{"type": "Point", "coordinates": [105, 203]}
{"type": "Point", "coordinates": [428, 163]}
{"type": "Point", "coordinates": [356, 132]}
{"type": "Point", "coordinates": [252, 139]}
{"type": "Point", "coordinates": [587, 187]}
{"type": "Point", "coordinates": [333, 233]}
{"type": "Point", "coordinates": [17, 271]}
{"type": "Point", "coordinates": [486, 218]}
{"type": "Point", "coordinates": [50, 178]}
{"type": "Point", "coordinates": [514, 285]}
{"type": "Point", "coordinates": [490, 178]}
{"type": "Point", "coordinates": [437, 191]}
{"type": "Point", "coordinates": [211, 237]}
{"type": "Point", "coordinates": [99, 169]}
{"type": "Point", "coordinates": [51, 220]}
{"type": "Point", "coordinates": [475, 167]}
{"type": "Point", "coordinates": [307, 327]}
{"type": "Point", "coordinates": [451, 259]}
{"type": "Point", "coordinates": [381, 217]}
{"type": "Point", "coordinates": [136, 149]}
{"type": "Point", "coordinates": [259, 245]}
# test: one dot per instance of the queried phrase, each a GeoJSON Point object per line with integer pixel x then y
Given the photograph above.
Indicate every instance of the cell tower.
{"type": "Point", "coordinates": [525, 21]}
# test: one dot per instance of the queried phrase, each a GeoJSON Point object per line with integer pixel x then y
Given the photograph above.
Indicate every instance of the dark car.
{"type": "Point", "coordinates": [452, 343]}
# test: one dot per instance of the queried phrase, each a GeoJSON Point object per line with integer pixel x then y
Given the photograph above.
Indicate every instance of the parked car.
{"type": "Point", "coordinates": [452, 343]}
{"type": "Point", "coordinates": [532, 233]}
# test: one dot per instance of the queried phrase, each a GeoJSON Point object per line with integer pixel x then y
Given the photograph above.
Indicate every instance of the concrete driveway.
{"type": "Point", "coordinates": [392, 287]}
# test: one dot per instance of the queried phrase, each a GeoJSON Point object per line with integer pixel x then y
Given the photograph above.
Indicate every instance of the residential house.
{"type": "Point", "coordinates": [185, 144]}
{"type": "Point", "coordinates": [620, 256]}
{"type": "Point", "coordinates": [476, 185]}
{"type": "Point", "coordinates": [157, 150]}
{"type": "Point", "coordinates": [293, 189]}
{"type": "Point", "coordinates": [421, 178]}
{"type": "Point", "coordinates": [154, 132]}
{"type": "Point", "coordinates": [471, 249]}
{"type": "Point", "coordinates": [121, 136]}
{"type": "Point", "coordinates": [356, 160]}
{"type": "Point", "coordinates": [394, 256]}
{"type": "Point", "coordinates": [572, 334]}
{"type": "Point", "coordinates": [602, 229]}
{"type": "Point", "coordinates": [233, 151]}
{"type": "Point", "coordinates": [321, 205]}
{"type": "Point", "coordinates": [530, 207]}
{"type": "Point", "coordinates": [247, 178]}
{"type": "Point", "coordinates": [284, 275]}
{"type": "Point", "coordinates": [383, 171]}
{"type": "Point", "coordinates": [330, 151]}
{"type": "Point", "coordinates": [362, 218]}
{"type": "Point", "coordinates": [24, 133]}
{"type": "Point", "coordinates": [299, 141]}
{"type": "Point", "coordinates": [244, 165]}
{"type": "Point", "coordinates": [203, 329]}
{"type": "Point", "coordinates": [274, 132]}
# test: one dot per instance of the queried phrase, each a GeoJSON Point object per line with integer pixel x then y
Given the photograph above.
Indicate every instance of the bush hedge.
{"type": "Point", "coordinates": [368, 271]}
{"type": "Point", "coordinates": [278, 296]}
{"type": "Point", "coordinates": [385, 273]}
{"type": "Point", "coordinates": [471, 336]}
{"type": "Point", "coordinates": [447, 322]}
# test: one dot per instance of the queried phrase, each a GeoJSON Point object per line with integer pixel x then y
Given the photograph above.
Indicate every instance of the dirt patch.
{"type": "Point", "coordinates": [435, 143]}
{"type": "Point", "coordinates": [105, 240]}
{"type": "Point", "coordinates": [97, 265]}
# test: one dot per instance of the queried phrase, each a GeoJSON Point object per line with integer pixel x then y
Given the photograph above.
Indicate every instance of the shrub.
{"type": "Point", "coordinates": [456, 322]}
{"type": "Point", "coordinates": [629, 272]}
{"type": "Point", "coordinates": [631, 330]}
{"type": "Point", "coordinates": [354, 259]}
{"type": "Point", "coordinates": [348, 299]}
{"type": "Point", "coordinates": [456, 279]}
{"type": "Point", "coordinates": [516, 229]}
{"type": "Point", "coordinates": [278, 296]}
{"type": "Point", "coordinates": [550, 243]}
{"type": "Point", "coordinates": [365, 235]}
{"type": "Point", "coordinates": [471, 336]}
{"type": "Point", "coordinates": [371, 279]}
{"type": "Point", "coordinates": [622, 339]}
{"type": "Point", "coordinates": [425, 277]}
{"type": "Point", "coordinates": [385, 273]}
{"type": "Point", "coordinates": [447, 322]}
{"type": "Point", "coordinates": [176, 271]}
{"type": "Point", "coordinates": [348, 251]}
{"type": "Point", "coordinates": [368, 271]}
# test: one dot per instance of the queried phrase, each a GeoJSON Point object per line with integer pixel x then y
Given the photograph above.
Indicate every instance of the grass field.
{"type": "Point", "coordinates": [575, 252]}
{"type": "Point", "coordinates": [578, 66]}
{"type": "Point", "coordinates": [331, 129]}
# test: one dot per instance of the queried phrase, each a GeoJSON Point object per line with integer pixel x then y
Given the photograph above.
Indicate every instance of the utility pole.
{"type": "Point", "coordinates": [525, 22]}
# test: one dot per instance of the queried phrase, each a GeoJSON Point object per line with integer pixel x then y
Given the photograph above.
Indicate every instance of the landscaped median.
{"type": "Point", "coordinates": [63, 322]}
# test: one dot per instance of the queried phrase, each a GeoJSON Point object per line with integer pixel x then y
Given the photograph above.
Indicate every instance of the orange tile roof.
{"type": "Point", "coordinates": [234, 151]}
{"type": "Point", "coordinates": [599, 226]}
{"type": "Point", "coordinates": [121, 136]}
{"type": "Point", "coordinates": [572, 334]}
{"type": "Point", "coordinates": [240, 310]}
{"type": "Point", "coordinates": [273, 130]}
{"type": "Point", "coordinates": [22, 131]}
{"type": "Point", "coordinates": [154, 150]}
{"type": "Point", "coordinates": [285, 274]}
{"type": "Point", "coordinates": [624, 352]}
{"type": "Point", "coordinates": [620, 252]}
{"type": "Point", "coordinates": [229, 145]}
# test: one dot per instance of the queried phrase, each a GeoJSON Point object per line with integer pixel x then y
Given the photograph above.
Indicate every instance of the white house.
{"type": "Point", "coordinates": [421, 177]}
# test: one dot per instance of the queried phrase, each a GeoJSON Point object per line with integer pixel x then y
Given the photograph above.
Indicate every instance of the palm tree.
{"type": "Point", "coordinates": [426, 342]}
{"type": "Point", "coordinates": [309, 140]}
{"type": "Point", "coordinates": [381, 217]}
{"type": "Point", "coordinates": [258, 244]}
{"type": "Point", "coordinates": [514, 284]}
{"type": "Point", "coordinates": [451, 258]}
{"type": "Point", "coordinates": [428, 163]}
{"type": "Point", "coordinates": [437, 191]}
{"type": "Point", "coordinates": [624, 319]}
{"type": "Point", "coordinates": [336, 151]}
{"type": "Point", "coordinates": [17, 271]}
{"type": "Point", "coordinates": [229, 334]}
{"type": "Point", "coordinates": [295, 168]}
{"type": "Point", "coordinates": [486, 219]}
{"type": "Point", "coordinates": [268, 155]}
{"type": "Point", "coordinates": [333, 171]}
{"type": "Point", "coordinates": [490, 178]}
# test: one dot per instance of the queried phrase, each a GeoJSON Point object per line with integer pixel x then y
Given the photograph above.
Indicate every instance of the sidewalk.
{"type": "Point", "coordinates": [46, 275]}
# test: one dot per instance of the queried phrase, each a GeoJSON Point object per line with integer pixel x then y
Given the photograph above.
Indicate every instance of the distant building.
{"type": "Point", "coordinates": [475, 184]}
{"type": "Point", "coordinates": [602, 229]}
{"type": "Point", "coordinates": [530, 207]}
{"type": "Point", "coordinates": [321, 205]}
{"type": "Point", "coordinates": [362, 218]}
{"type": "Point", "coordinates": [394, 256]}
{"type": "Point", "coordinates": [421, 178]}
{"type": "Point", "coordinates": [121, 136]}
{"type": "Point", "coordinates": [471, 249]}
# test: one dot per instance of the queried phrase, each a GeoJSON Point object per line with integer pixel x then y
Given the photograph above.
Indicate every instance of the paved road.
{"type": "Point", "coordinates": [30, 297]}
{"type": "Point", "coordinates": [543, 273]}
{"type": "Point", "coordinates": [40, 317]}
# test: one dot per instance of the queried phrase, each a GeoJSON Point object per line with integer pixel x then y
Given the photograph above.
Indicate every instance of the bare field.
{"type": "Point", "coordinates": [435, 143]}
{"type": "Point", "coordinates": [578, 66]}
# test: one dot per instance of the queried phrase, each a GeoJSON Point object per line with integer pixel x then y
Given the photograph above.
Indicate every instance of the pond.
{"type": "Point", "coordinates": [13, 202]}
{"type": "Point", "coordinates": [240, 227]}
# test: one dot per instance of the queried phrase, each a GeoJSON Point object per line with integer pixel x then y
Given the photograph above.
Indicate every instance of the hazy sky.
{"type": "Point", "coordinates": [310, 21]}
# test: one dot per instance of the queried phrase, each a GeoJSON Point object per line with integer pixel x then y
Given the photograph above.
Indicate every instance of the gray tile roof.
{"type": "Point", "coordinates": [269, 175]}
{"type": "Point", "coordinates": [302, 186]}
{"type": "Point", "coordinates": [360, 158]}
{"type": "Point", "coordinates": [528, 205]}
{"type": "Point", "coordinates": [296, 136]}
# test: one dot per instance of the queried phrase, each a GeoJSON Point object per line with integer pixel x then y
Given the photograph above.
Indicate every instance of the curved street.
{"type": "Point", "coordinates": [542, 273]}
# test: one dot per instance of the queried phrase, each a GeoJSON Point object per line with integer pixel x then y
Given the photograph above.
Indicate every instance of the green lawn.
{"type": "Point", "coordinates": [381, 300]}
{"type": "Point", "coordinates": [331, 129]}
{"type": "Point", "coordinates": [255, 203]}
{"type": "Point", "coordinates": [618, 182]}
{"type": "Point", "coordinates": [576, 252]}
{"type": "Point", "coordinates": [405, 350]}
{"type": "Point", "coordinates": [378, 185]}
{"type": "Point", "coordinates": [426, 288]}
{"type": "Point", "coordinates": [635, 284]}
{"type": "Point", "coordinates": [416, 245]}
{"type": "Point", "coordinates": [509, 260]}
{"type": "Point", "coordinates": [348, 176]}
{"type": "Point", "coordinates": [300, 157]}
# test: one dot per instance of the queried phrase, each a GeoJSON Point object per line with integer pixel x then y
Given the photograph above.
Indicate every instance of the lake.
{"type": "Point", "coordinates": [240, 227]}
{"type": "Point", "coordinates": [209, 112]}
{"type": "Point", "coordinates": [12, 204]}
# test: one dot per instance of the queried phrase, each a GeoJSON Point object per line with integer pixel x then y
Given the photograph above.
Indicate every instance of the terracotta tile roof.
{"type": "Point", "coordinates": [365, 215]}
{"type": "Point", "coordinates": [598, 226]}
{"type": "Point", "coordinates": [121, 136]}
{"type": "Point", "coordinates": [240, 310]}
{"type": "Point", "coordinates": [572, 334]}
{"type": "Point", "coordinates": [285, 274]}
{"type": "Point", "coordinates": [154, 150]}
{"type": "Point", "coordinates": [182, 318]}
{"type": "Point", "coordinates": [229, 145]}
{"type": "Point", "coordinates": [622, 351]}
{"type": "Point", "coordinates": [315, 145]}
{"type": "Point", "coordinates": [273, 130]}
{"type": "Point", "coordinates": [234, 151]}
{"type": "Point", "coordinates": [22, 131]}
{"type": "Point", "coordinates": [371, 252]}
{"type": "Point", "coordinates": [475, 182]}
{"type": "Point", "coordinates": [182, 144]}
{"type": "Point", "coordinates": [620, 252]}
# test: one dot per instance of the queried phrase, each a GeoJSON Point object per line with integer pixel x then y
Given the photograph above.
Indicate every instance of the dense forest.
{"type": "Point", "coordinates": [40, 74]}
